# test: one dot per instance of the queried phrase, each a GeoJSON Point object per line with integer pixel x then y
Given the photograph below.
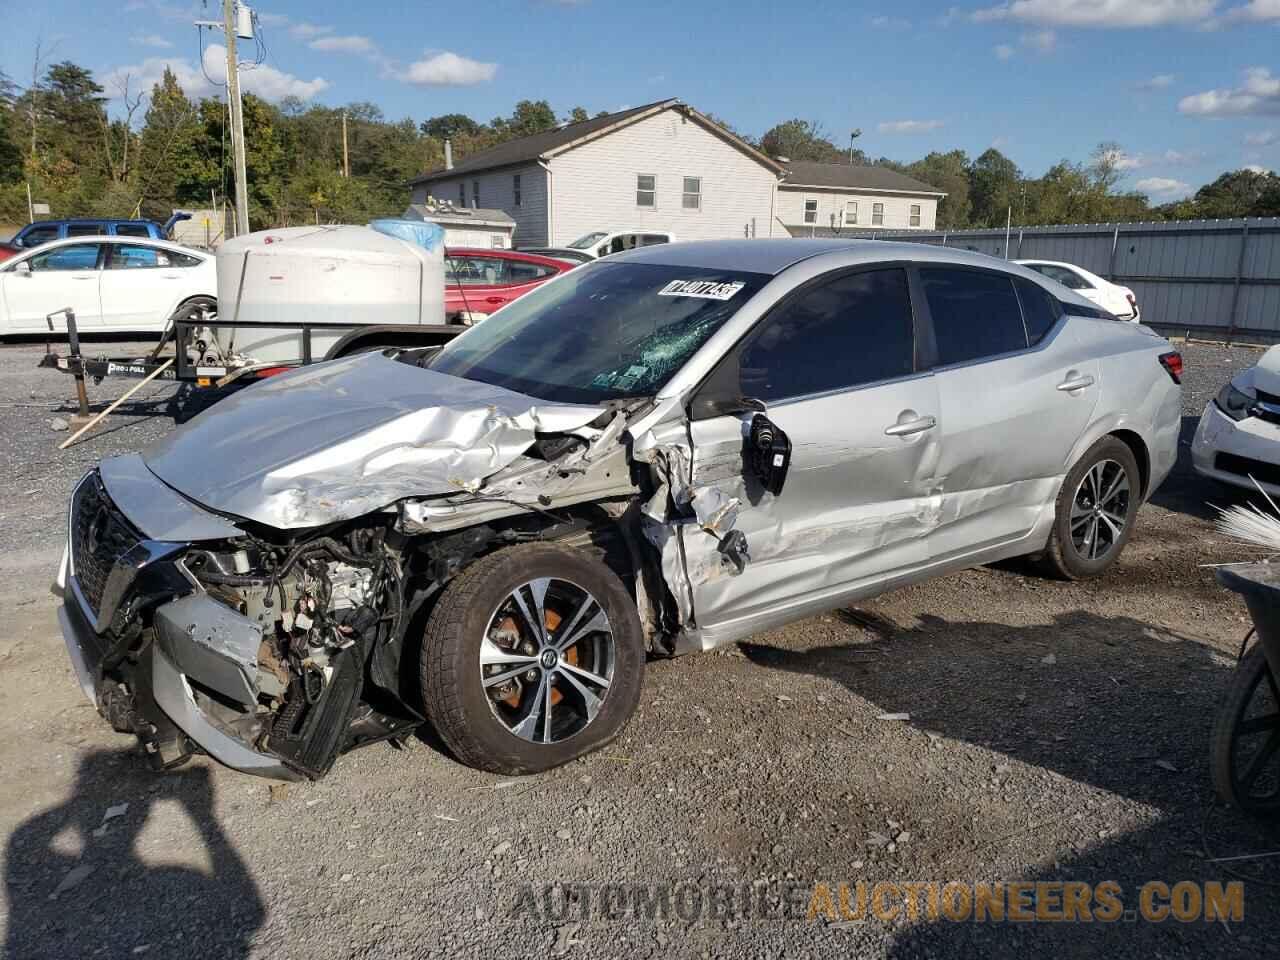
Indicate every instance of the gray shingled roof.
{"type": "Point", "coordinates": [536, 145]}
{"type": "Point", "coordinates": [813, 174]}
{"type": "Point", "coordinates": [452, 214]}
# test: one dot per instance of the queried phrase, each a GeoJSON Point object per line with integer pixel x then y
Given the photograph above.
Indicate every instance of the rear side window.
{"type": "Point", "coordinates": [86, 229]}
{"type": "Point", "coordinates": [840, 334]}
{"type": "Point", "coordinates": [183, 260]}
{"type": "Point", "coordinates": [520, 272]}
{"type": "Point", "coordinates": [125, 256]}
{"type": "Point", "coordinates": [1039, 309]}
{"type": "Point", "coordinates": [132, 230]}
{"type": "Point", "coordinates": [975, 314]}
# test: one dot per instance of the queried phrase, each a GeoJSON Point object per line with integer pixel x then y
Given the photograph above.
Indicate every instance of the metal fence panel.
{"type": "Point", "coordinates": [1208, 277]}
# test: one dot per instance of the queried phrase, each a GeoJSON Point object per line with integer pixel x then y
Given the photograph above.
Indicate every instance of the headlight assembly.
{"type": "Point", "coordinates": [1234, 403]}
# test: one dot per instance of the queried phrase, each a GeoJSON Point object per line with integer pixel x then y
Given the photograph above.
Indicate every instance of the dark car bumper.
{"type": "Point", "coordinates": [149, 688]}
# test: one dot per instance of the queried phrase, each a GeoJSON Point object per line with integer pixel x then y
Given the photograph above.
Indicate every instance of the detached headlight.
{"type": "Point", "coordinates": [1234, 403]}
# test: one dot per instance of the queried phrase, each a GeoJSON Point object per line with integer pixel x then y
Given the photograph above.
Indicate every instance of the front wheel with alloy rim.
{"type": "Point", "coordinates": [1095, 511]}
{"type": "Point", "coordinates": [533, 656]}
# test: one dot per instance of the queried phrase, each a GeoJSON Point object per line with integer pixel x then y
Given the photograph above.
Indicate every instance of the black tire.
{"type": "Point", "coordinates": [1238, 741]}
{"type": "Point", "coordinates": [457, 704]}
{"type": "Point", "coordinates": [1063, 557]}
{"type": "Point", "coordinates": [190, 309]}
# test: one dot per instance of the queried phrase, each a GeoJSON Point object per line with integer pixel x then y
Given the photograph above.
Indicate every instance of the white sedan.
{"type": "Point", "coordinates": [1109, 296]}
{"type": "Point", "coordinates": [1238, 439]}
{"type": "Point", "coordinates": [112, 283]}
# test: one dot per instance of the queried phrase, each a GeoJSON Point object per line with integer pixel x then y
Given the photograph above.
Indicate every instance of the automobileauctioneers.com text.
{"type": "Point", "coordinates": [1041, 901]}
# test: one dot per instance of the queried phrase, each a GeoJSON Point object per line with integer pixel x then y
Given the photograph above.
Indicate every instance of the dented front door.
{"type": "Point", "coordinates": [836, 369]}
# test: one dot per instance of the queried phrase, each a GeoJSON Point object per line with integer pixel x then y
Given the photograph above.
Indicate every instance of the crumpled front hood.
{"type": "Point", "coordinates": [341, 439]}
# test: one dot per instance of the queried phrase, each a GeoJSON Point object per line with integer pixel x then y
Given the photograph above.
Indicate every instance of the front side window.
{"type": "Point", "coordinates": [877, 214]}
{"type": "Point", "coordinates": [692, 199]}
{"type": "Point", "coordinates": [646, 190]}
{"type": "Point", "coordinates": [633, 326]}
{"type": "Point", "coordinates": [132, 230]}
{"type": "Point", "coordinates": [515, 189]}
{"type": "Point", "coordinates": [126, 256]}
{"type": "Point", "coordinates": [811, 211]}
{"type": "Point", "coordinates": [915, 215]}
{"type": "Point", "coordinates": [975, 314]}
{"type": "Point", "coordinates": [836, 335]}
{"type": "Point", "coordinates": [851, 213]}
{"type": "Point", "coordinates": [77, 256]}
{"type": "Point", "coordinates": [33, 238]}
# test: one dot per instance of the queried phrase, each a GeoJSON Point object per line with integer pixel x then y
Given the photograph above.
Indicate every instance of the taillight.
{"type": "Point", "coordinates": [1172, 363]}
{"type": "Point", "coordinates": [272, 371]}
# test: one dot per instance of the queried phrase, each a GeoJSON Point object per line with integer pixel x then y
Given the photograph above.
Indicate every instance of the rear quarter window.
{"type": "Point", "coordinates": [1040, 309]}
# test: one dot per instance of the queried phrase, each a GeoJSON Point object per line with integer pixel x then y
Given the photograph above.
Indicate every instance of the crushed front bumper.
{"type": "Point", "coordinates": [142, 682]}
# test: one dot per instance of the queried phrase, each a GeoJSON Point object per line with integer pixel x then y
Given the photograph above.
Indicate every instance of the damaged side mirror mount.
{"type": "Point", "coordinates": [768, 453]}
{"type": "Point", "coordinates": [727, 406]}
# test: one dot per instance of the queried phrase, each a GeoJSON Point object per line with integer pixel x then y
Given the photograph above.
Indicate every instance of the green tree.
{"type": "Point", "coordinates": [578, 114]}
{"type": "Point", "coordinates": [994, 182]}
{"type": "Point", "coordinates": [949, 172]}
{"type": "Point", "coordinates": [1239, 193]}
{"type": "Point", "coordinates": [450, 125]}
{"type": "Point", "coordinates": [529, 117]}
{"type": "Point", "coordinates": [804, 140]}
{"type": "Point", "coordinates": [170, 172]}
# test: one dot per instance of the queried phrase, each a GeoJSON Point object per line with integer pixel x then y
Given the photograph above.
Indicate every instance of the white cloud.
{"type": "Point", "coordinates": [1004, 51]}
{"type": "Point", "coordinates": [891, 23]}
{"type": "Point", "coordinates": [1259, 95]}
{"type": "Point", "coordinates": [446, 69]}
{"type": "Point", "coordinates": [1140, 161]}
{"type": "Point", "coordinates": [266, 82]}
{"type": "Point", "coordinates": [1254, 168]}
{"type": "Point", "coordinates": [151, 40]}
{"type": "Point", "coordinates": [908, 126]}
{"type": "Point", "coordinates": [350, 44]}
{"type": "Point", "coordinates": [999, 143]}
{"type": "Point", "coordinates": [1163, 186]}
{"type": "Point", "coordinates": [308, 31]}
{"type": "Point", "coordinates": [1255, 11]}
{"type": "Point", "coordinates": [1161, 81]}
{"type": "Point", "coordinates": [1261, 139]}
{"type": "Point", "coordinates": [1101, 13]}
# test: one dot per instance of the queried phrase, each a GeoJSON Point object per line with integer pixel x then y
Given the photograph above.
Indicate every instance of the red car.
{"type": "Point", "coordinates": [478, 281]}
{"type": "Point", "coordinates": [7, 250]}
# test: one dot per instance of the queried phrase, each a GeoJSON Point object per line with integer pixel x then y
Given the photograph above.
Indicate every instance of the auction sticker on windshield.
{"type": "Point", "coordinates": [703, 289]}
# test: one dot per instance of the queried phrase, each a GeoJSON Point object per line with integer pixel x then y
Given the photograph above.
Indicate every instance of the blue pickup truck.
{"type": "Point", "coordinates": [42, 231]}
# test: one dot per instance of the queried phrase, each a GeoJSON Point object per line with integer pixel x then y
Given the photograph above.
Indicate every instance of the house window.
{"type": "Point", "coordinates": [915, 214]}
{"type": "Point", "coordinates": [495, 239]}
{"type": "Point", "coordinates": [811, 211]}
{"type": "Point", "coordinates": [692, 193]}
{"type": "Point", "coordinates": [515, 189]}
{"type": "Point", "coordinates": [462, 194]}
{"type": "Point", "coordinates": [475, 194]}
{"type": "Point", "coordinates": [877, 214]}
{"type": "Point", "coordinates": [851, 213]}
{"type": "Point", "coordinates": [646, 190]}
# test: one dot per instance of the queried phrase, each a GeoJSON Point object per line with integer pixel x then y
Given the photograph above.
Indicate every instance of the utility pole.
{"type": "Point", "coordinates": [346, 163]}
{"type": "Point", "coordinates": [237, 118]}
{"type": "Point", "coordinates": [853, 135]}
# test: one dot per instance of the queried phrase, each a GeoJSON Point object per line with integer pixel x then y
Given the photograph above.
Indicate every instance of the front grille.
{"type": "Point", "coordinates": [100, 535]}
{"type": "Point", "coordinates": [1246, 467]}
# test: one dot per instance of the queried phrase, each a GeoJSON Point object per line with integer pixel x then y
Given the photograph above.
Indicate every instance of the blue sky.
{"type": "Point", "coordinates": [1188, 88]}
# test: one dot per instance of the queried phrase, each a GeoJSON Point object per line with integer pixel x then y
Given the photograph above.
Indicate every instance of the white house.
{"type": "Point", "coordinates": [833, 199]}
{"type": "Point", "coordinates": [663, 166]}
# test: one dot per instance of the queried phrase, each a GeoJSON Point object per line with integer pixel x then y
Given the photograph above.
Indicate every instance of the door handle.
{"type": "Point", "coordinates": [495, 299]}
{"type": "Point", "coordinates": [909, 428]}
{"type": "Point", "coordinates": [1075, 382]}
{"type": "Point", "coordinates": [94, 277]}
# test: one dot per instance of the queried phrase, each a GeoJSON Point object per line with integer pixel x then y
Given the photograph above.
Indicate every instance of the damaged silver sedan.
{"type": "Point", "coordinates": [657, 453]}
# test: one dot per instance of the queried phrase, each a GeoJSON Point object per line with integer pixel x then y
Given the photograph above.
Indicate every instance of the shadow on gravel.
{"type": "Point", "coordinates": [78, 886]}
{"type": "Point", "coordinates": [1121, 705]}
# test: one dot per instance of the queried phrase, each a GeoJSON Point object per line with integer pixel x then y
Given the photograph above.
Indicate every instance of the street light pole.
{"type": "Point", "coordinates": [237, 118]}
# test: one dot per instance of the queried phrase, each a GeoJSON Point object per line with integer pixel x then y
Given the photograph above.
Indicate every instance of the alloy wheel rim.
{"type": "Point", "coordinates": [1100, 510]}
{"type": "Point", "coordinates": [546, 660]}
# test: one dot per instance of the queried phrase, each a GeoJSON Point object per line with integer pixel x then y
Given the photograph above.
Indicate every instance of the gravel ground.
{"type": "Point", "coordinates": [1056, 732]}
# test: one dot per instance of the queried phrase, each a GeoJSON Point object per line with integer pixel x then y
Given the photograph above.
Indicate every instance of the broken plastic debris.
{"type": "Point", "coordinates": [894, 716]}
{"type": "Point", "coordinates": [75, 876]}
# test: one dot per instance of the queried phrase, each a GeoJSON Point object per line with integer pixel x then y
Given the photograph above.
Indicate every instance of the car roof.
{"type": "Point", "coordinates": [133, 241]}
{"type": "Point", "coordinates": [772, 256]}
{"type": "Point", "coordinates": [74, 220]}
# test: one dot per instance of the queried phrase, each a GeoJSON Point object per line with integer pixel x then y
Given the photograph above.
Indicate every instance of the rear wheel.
{"type": "Point", "coordinates": [533, 656]}
{"type": "Point", "coordinates": [1095, 511]}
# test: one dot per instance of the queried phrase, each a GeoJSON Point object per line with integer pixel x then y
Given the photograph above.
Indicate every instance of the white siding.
{"type": "Point", "coordinates": [897, 208]}
{"type": "Point", "coordinates": [497, 193]}
{"type": "Point", "coordinates": [594, 185]}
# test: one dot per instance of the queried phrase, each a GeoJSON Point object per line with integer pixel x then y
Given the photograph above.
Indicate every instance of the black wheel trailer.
{"type": "Point", "coordinates": [181, 367]}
